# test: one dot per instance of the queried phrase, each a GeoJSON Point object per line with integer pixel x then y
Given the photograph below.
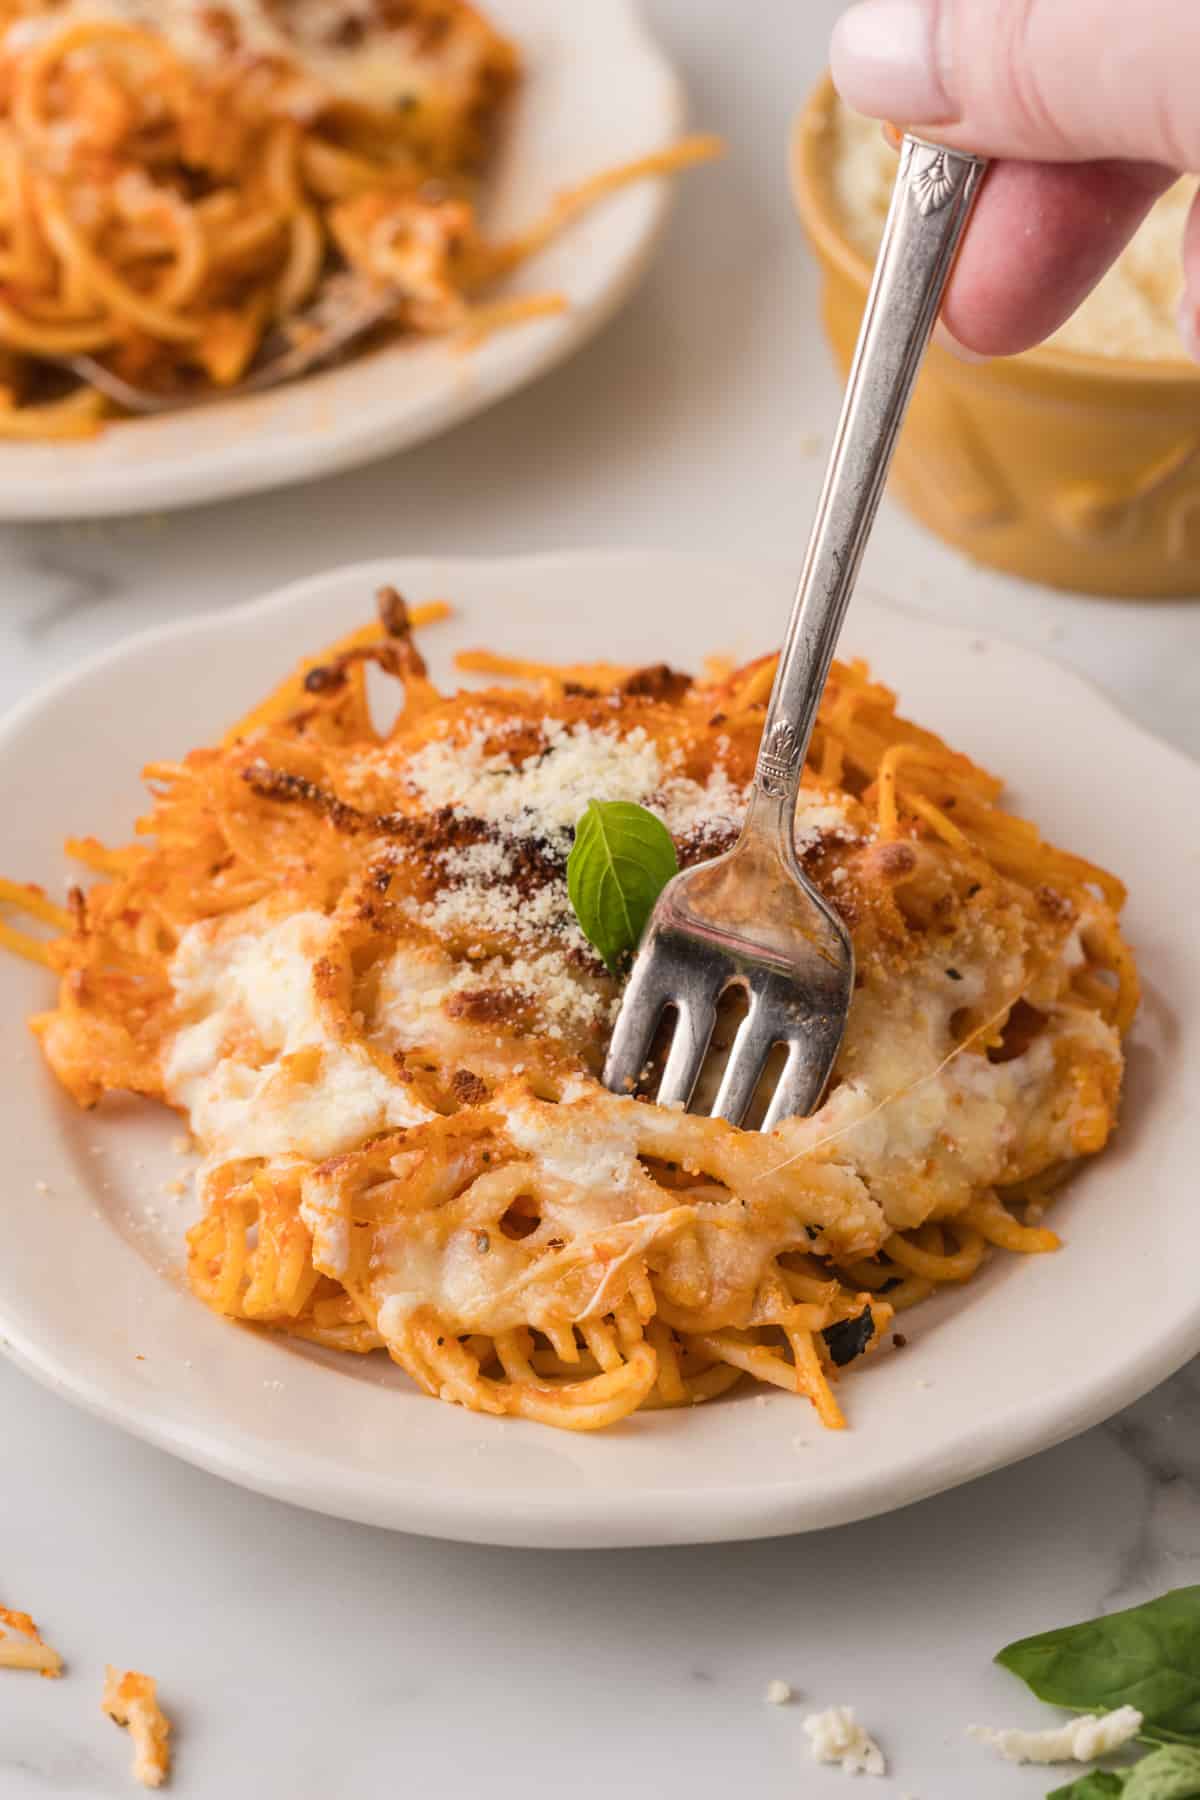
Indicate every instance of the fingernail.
{"type": "Point", "coordinates": [946, 339]}
{"type": "Point", "coordinates": [885, 61]}
{"type": "Point", "coordinates": [1189, 326]}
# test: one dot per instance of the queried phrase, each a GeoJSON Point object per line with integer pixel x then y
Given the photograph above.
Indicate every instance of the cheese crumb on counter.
{"type": "Point", "coordinates": [778, 1693]}
{"type": "Point", "coordinates": [1080, 1740]}
{"type": "Point", "coordinates": [835, 1736]}
{"type": "Point", "coordinates": [22, 1645]}
{"type": "Point", "coordinates": [132, 1699]}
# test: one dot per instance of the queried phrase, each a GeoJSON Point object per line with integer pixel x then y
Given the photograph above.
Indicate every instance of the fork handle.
{"type": "Point", "coordinates": [932, 203]}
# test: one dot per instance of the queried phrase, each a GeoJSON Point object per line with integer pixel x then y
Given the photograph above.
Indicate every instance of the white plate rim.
{"type": "Point", "coordinates": [285, 449]}
{"type": "Point", "coordinates": [670, 1514]}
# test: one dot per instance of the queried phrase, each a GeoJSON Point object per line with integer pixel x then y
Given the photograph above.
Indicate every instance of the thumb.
{"type": "Point", "coordinates": [1050, 80]}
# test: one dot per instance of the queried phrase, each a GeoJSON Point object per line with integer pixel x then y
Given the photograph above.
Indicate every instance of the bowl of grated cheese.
{"type": "Point", "coordinates": [1077, 464]}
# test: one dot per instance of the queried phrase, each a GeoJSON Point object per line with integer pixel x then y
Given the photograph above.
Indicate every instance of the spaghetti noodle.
{"type": "Point", "coordinates": [348, 956]}
{"type": "Point", "coordinates": [179, 182]}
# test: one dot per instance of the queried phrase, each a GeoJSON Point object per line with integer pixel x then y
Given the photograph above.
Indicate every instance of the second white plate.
{"type": "Point", "coordinates": [598, 92]}
{"type": "Point", "coordinates": [91, 1298]}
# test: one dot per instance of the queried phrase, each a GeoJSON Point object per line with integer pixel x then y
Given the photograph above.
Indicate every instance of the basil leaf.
{"type": "Point", "coordinates": [1172, 1773]}
{"type": "Point", "coordinates": [849, 1338]}
{"type": "Point", "coordinates": [620, 862]}
{"type": "Point", "coordinates": [1099, 1784]}
{"type": "Point", "coordinates": [1147, 1656]}
{"type": "Point", "coordinates": [1169, 1774]}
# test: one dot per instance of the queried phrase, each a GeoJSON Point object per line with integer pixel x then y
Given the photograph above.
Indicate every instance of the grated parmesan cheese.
{"type": "Point", "coordinates": [545, 795]}
{"type": "Point", "coordinates": [540, 800]}
{"type": "Point", "coordinates": [1079, 1740]}
{"type": "Point", "coordinates": [484, 904]}
{"type": "Point", "coordinates": [547, 792]}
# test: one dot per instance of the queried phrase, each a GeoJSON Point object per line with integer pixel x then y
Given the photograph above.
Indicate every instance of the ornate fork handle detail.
{"type": "Point", "coordinates": [934, 182]}
{"type": "Point", "coordinates": [934, 196]}
{"type": "Point", "coordinates": [778, 758]}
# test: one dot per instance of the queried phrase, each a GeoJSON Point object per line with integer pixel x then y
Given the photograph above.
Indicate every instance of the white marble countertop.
{"type": "Point", "coordinates": [306, 1658]}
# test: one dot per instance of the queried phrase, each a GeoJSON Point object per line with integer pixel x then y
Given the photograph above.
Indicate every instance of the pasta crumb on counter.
{"type": "Point", "coordinates": [131, 1699]}
{"type": "Point", "coordinates": [23, 1647]}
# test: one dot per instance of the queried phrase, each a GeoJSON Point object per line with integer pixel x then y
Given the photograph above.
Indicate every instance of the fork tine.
{"type": "Point", "coordinates": [800, 1085]}
{"type": "Point", "coordinates": [646, 999]}
{"type": "Point", "coordinates": [689, 1047]}
{"type": "Point", "coordinates": [747, 1059]}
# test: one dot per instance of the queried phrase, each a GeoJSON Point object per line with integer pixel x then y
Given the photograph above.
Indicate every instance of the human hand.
{"type": "Point", "coordinates": [1092, 108]}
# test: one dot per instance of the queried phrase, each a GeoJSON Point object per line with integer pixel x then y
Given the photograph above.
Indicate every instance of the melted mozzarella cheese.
{"type": "Point", "coordinates": [906, 1096]}
{"type": "Point", "coordinates": [591, 1152]}
{"type": "Point", "coordinates": [588, 1186]}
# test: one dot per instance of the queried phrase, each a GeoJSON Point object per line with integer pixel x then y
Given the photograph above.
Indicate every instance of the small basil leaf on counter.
{"type": "Point", "coordinates": [1099, 1784]}
{"type": "Point", "coordinates": [849, 1337]}
{"type": "Point", "coordinates": [1172, 1773]}
{"type": "Point", "coordinates": [620, 862]}
{"type": "Point", "coordinates": [1147, 1656]}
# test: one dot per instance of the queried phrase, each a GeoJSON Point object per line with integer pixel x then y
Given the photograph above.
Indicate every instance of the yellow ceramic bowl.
{"type": "Point", "coordinates": [1079, 471]}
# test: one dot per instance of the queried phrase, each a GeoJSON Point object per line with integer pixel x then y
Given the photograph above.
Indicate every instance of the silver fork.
{"type": "Point", "coordinates": [345, 311]}
{"type": "Point", "coordinates": [751, 919]}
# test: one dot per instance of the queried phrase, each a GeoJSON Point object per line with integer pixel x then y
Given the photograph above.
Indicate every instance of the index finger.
{"type": "Point", "coordinates": [1043, 235]}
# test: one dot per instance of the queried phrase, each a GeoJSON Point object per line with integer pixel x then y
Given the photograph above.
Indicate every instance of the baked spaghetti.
{"type": "Point", "coordinates": [348, 957]}
{"type": "Point", "coordinates": [181, 181]}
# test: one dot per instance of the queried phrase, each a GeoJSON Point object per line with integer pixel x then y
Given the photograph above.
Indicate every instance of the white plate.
{"type": "Point", "coordinates": [597, 92]}
{"type": "Point", "coordinates": [91, 1300]}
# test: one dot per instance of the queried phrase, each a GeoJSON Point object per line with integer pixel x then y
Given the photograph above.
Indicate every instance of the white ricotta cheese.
{"type": "Point", "coordinates": [248, 1003]}
{"type": "Point", "coordinates": [835, 1736]}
